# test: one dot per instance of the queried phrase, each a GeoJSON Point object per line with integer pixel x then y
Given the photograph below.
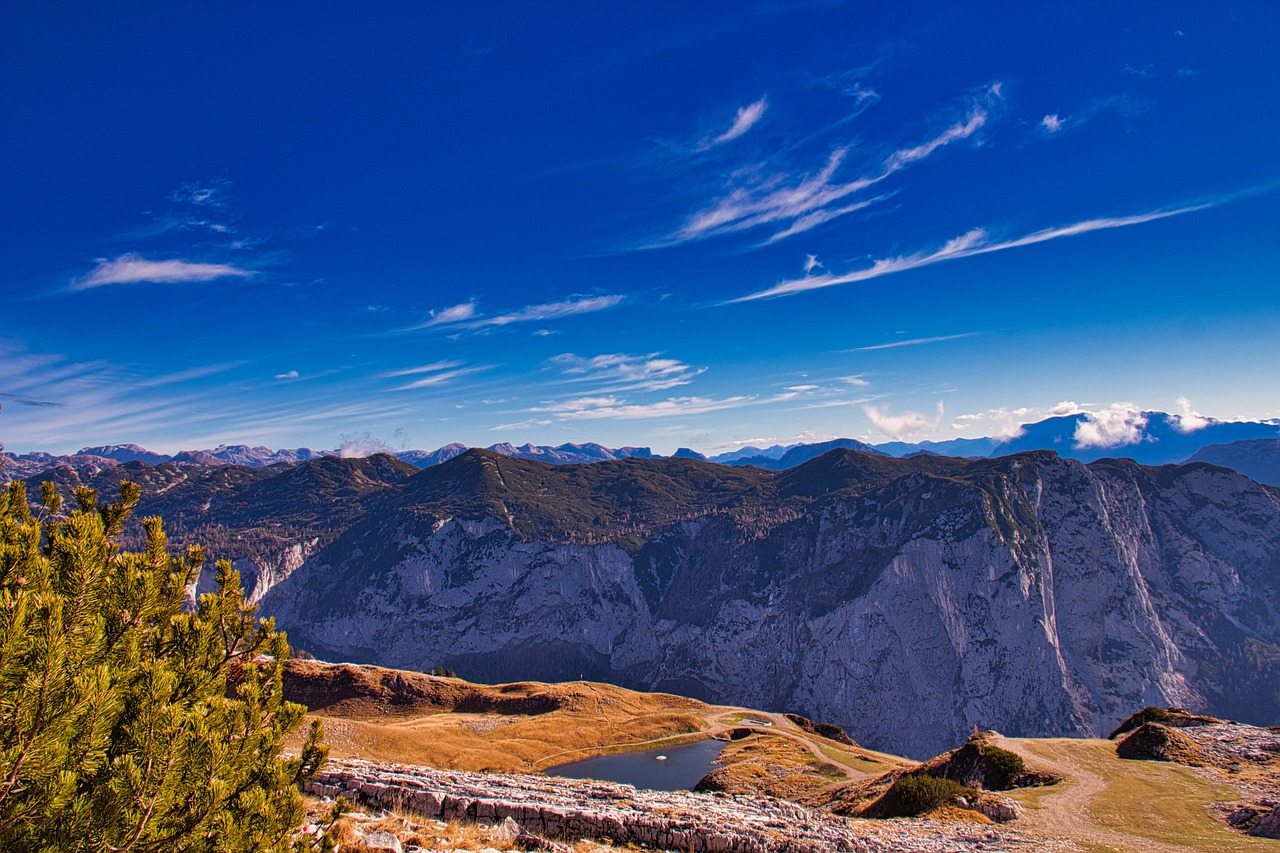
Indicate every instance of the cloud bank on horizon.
{"type": "Point", "coordinates": [637, 228]}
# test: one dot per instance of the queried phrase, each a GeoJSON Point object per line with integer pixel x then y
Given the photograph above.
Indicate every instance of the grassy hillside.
{"type": "Point", "coordinates": [1103, 804]}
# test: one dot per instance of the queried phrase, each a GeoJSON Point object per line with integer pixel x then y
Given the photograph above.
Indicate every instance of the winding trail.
{"type": "Point", "coordinates": [1108, 804]}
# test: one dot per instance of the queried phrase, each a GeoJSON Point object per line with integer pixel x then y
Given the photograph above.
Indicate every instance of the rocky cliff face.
{"type": "Point", "coordinates": [904, 599]}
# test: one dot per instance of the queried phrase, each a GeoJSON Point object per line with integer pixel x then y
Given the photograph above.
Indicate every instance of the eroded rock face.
{"type": "Point", "coordinates": [1030, 594]}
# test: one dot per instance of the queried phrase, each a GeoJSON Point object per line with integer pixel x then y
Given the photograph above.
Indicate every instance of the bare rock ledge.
{"type": "Point", "coordinates": [557, 808]}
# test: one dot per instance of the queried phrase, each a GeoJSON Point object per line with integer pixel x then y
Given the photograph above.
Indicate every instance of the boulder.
{"type": "Point", "coordinates": [382, 840]}
{"type": "Point", "coordinates": [999, 809]}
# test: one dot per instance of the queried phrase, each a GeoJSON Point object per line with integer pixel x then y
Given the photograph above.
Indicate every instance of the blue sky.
{"type": "Point", "coordinates": [648, 224]}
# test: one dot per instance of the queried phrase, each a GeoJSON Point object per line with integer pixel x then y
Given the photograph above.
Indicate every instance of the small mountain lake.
{"type": "Point", "coordinates": [677, 768]}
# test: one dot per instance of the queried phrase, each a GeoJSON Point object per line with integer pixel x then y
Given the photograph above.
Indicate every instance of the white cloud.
{"type": "Point", "coordinates": [531, 422]}
{"type": "Point", "coordinates": [360, 446]}
{"type": "Point", "coordinates": [612, 408]}
{"type": "Point", "coordinates": [913, 342]}
{"type": "Point", "coordinates": [443, 377]}
{"type": "Point", "coordinates": [1118, 425]}
{"type": "Point", "coordinates": [291, 374]}
{"type": "Point", "coordinates": [1187, 420]}
{"type": "Point", "coordinates": [1067, 407]}
{"type": "Point", "coordinates": [1127, 105]}
{"type": "Point", "coordinates": [623, 372]}
{"type": "Point", "coordinates": [433, 367]}
{"type": "Point", "coordinates": [902, 425]}
{"type": "Point", "coordinates": [804, 201]}
{"type": "Point", "coordinates": [1002, 423]}
{"type": "Point", "coordinates": [135, 269]}
{"type": "Point", "coordinates": [745, 120]}
{"type": "Point", "coordinates": [811, 263]}
{"type": "Point", "coordinates": [974, 242]}
{"type": "Point", "coordinates": [447, 316]}
{"type": "Point", "coordinates": [813, 220]}
{"type": "Point", "coordinates": [800, 389]}
{"type": "Point", "coordinates": [976, 118]}
{"type": "Point", "coordinates": [466, 315]}
{"type": "Point", "coordinates": [454, 314]}
{"type": "Point", "coordinates": [208, 193]}
{"type": "Point", "coordinates": [551, 311]}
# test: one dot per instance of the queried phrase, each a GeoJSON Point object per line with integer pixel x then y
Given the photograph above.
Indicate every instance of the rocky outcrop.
{"type": "Point", "coordinates": [1175, 717]}
{"type": "Point", "coordinates": [1032, 594]}
{"type": "Point", "coordinates": [570, 809]}
{"type": "Point", "coordinates": [1156, 742]}
{"type": "Point", "coordinates": [1247, 758]}
{"type": "Point", "coordinates": [829, 731]}
{"type": "Point", "coordinates": [978, 764]}
{"type": "Point", "coordinates": [1268, 825]}
{"type": "Point", "coordinates": [997, 809]}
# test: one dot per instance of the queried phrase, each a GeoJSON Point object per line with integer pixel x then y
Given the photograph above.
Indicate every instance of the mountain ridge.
{"type": "Point", "coordinates": [1153, 438]}
{"type": "Point", "coordinates": [1029, 593]}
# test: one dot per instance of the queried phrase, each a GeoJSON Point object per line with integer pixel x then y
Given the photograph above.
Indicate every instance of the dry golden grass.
{"type": "Point", "coordinates": [774, 765]}
{"type": "Point", "coordinates": [390, 716]}
{"type": "Point", "coordinates": [1119, 805]}
{"type": "Point", "coordinates": [863, 760]}
{"type": "Point", "coordinates": [955, 814]}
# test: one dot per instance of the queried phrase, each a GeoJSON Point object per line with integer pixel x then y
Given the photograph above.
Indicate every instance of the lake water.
{"type": "Point", "coordinates": [683, 767]}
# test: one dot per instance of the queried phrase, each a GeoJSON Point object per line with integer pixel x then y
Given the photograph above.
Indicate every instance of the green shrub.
{"type": "Point", "coordinates": [1149, 714]}
{"type": "Point", "coordinates": [913, 795]}
{"type": "Point", "coordinates": [129, 721]}
{"type": "Point", "coordinates": [1003, 767]}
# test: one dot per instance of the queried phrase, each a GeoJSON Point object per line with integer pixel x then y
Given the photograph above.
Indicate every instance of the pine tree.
{"type": "Point", "coordinates": [128, 721]}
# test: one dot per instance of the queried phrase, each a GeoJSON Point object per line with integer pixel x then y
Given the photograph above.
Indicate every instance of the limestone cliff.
{"type": "Point", "coordinates": [906, 600]}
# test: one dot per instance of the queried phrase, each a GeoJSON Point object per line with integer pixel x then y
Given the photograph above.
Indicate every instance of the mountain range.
{"type": "Point", "coordinates": [1153, 438]}
{"type": "Point", "coordinates": [1028, 593]}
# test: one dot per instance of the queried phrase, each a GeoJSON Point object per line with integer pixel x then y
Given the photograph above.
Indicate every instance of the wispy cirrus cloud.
{"type": "Point", "coordinates": [614, 408]}
{"type": "Point", "coordinates": [433, 367]}
{"type": "Point", "coordinates": [615, 372]}
{"type": "Point", "coordinates": [974, 242]}
{"type": "Point", "coordinates": [209, 192]}
{"type": "Point", "coordinates": [745, 119]}
{"type": "Point", "coordinates": [61, 400]}
{"type": "Point", "coordinates": [800, 202]}
{"type": "Point", "coordinates": [430, 375]}
{"type": "Point", "coordinates": [467, 316]}
{"type": "Point", "coordinates": [1054, 124]}
{"type": "Point", "coordinates": [459, 313]}
{"type": "Point", "coordinates": [134, 269]}
{"type": "Point", "coordinates": [913, 342]}
{"type": "Point", "coordinates": [28, 401]}
{"type": "Point", "coordinates": [552, 310]}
